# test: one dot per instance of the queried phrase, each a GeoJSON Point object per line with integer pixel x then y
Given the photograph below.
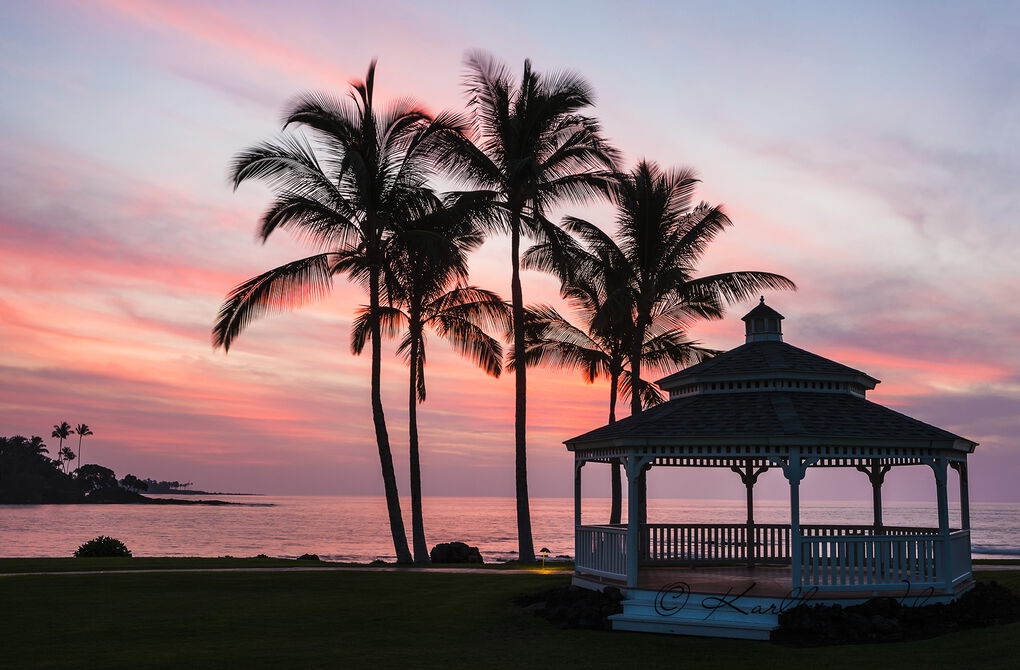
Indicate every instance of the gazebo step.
{"type": "Point", "coordinates": [698, 606]}
{"type": "Point", "coordinates": [713, 627]}
{"type": "Point", "coordinates": [708, 615]}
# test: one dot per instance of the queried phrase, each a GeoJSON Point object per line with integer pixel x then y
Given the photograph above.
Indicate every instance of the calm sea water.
{"type": "Point", "coordinates": [355, 528]}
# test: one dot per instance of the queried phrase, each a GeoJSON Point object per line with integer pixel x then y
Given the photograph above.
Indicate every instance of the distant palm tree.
{"type": "Point", "coordinates": [61, 431]}
{"type": "Point", "coordinates": [65, 456]}
{"type": "Point", "coordinates": [82, 430]}
{"type": "Point", "coordinates": [662, 235]}
{"type": "Point", "coordinates": [533, 148]}
{"type": "Point", "coordinates": [366, 175]}
{"type": "Point", "coordinates": [424, 262]}
{"type": "Point", "coordinates": [37, 446]}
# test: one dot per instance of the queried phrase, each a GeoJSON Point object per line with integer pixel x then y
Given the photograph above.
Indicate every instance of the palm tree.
{"type": "Point", "coordinates": [61, 431]}
{"type": "Point", "coordinates": [423, 264]}
{"type": "Point", "coordinates": [600, 349]}
{"type": "Point", "coordinates": [37, 446]}
{"type": "Point", "coordinates": [662, 236]}
{"type": "Point", "coordinates": [65, 456]}
{"type": "Point", "coordinates": [365, 174]}
{"type": "Point", "coordinates": [533, 149]}
{"type": "Point", "coordinates": [82, 430]}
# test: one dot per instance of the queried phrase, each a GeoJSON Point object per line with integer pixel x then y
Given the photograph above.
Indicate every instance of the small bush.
{"type": "Point", "coordinates": [102, 547]}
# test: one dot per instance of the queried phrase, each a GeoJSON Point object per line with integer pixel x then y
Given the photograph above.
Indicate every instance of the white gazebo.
{"type": "Point", "coordinates": [764, 405]}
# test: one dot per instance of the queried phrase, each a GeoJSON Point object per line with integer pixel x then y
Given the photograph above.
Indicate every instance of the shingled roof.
{"type": "Point", "coordinates": [749, 418]}
{"type": "Point", "coordinates": [765, 357]}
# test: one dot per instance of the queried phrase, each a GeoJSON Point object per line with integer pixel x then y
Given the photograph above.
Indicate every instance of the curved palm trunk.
{"type": "Point", "coordinates": [616, 507]}
{"type": "Point", "coordinates": [418, 542]}
{"type": "Point", "coordinates": [382, 438]}
{"type": "Point", "coordinates": [526, 545]}
{"type": "Point", "coordinates": [80, 463]}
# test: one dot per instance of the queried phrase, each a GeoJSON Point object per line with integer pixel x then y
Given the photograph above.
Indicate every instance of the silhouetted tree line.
{"type": "Point", "coordinates": [29, 475]}
{"type": "Point", "coordinates": [358, 184]}
{"type": "Point", "coordinates": [153, 486]}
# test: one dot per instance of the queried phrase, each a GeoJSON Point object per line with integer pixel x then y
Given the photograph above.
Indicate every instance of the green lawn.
{"type": "Point", "coordinates": [384, 620]}
{"type": "Point", "coordinates": [21, 565]}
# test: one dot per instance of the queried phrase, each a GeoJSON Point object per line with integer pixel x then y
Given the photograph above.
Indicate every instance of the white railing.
{"type": "Point", "coordinates": [713, 543]}
{"type": "Point", "coordinates": [602, 550]}
{"type": "Point", "coordinates": [851, 557]}
{"type": "Point", "coordinates": [873, 562]}
{"type": "Point", "coordinates": [727, 543]}
{"type": "Point", "coordinates": [814, 530]}
{"type": "Point", "coordinates": [959, 555]}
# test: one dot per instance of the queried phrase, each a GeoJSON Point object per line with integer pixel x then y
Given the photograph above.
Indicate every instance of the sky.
{"type": "Point", "coordinates": [870, 151]}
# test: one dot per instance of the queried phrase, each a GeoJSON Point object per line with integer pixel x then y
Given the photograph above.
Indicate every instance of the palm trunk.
{"type": "Point", "coordinates": [420, 545]}
{"type": "Point", "coordinates": [525, 543]}
{"type": "Point", "coordinates": [635, 363]}
{"type": "Point", "coordinates": [381, 436]}
{"type": "Point", "coordinates": [616, 508]}
{"type": "Point", "coordinates": [79, 451]}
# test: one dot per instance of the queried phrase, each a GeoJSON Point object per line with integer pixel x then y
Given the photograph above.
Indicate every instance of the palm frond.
{"type": "Point", "coordinates": [279, 289]}
{"type": "Point", "coordinates": [391, 320]}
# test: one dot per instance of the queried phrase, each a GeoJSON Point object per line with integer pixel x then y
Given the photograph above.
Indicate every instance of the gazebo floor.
{"type": "Point", "coordinates": [763, 580]}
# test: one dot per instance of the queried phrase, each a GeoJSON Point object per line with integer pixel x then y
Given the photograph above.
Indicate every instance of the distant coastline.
{"type": "Point", "coordinates": [191, 492]}
{"type": "Point", "coordinates": [29, 477]}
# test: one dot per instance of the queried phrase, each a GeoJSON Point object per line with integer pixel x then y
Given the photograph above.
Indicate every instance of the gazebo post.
{"type": "Point", "coordinates": [794, 472]}
{"type": "Point", "coordinates": [876, 475]}
{"type": "Point", "coordinates": [938, 465]}
{"type": "Point", "coordinates": [578, 464]}
{"type": "Point", "coordinates": [615, 511]}
{"type": "Point", "coordinates": [961, 469]}
{"type": "Point", "coordinates": [749, 477]}
{"type": "Point", "coordinates": [635, 466]}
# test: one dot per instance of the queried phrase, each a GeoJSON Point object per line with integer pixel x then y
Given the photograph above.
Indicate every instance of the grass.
{"type": "Point", "coordinates": [25, 565]}
{"type": "Point", "coordinates": [384, 620]}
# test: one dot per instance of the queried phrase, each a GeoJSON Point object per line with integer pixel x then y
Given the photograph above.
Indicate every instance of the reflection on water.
{"type": "Point", "coordinates": [356, 528]}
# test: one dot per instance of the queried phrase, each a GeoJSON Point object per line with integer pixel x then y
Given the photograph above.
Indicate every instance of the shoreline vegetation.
{"type": "Point", "coordinates": [334, 618]}
{"type": "Point", "coordinates": [29, 477]}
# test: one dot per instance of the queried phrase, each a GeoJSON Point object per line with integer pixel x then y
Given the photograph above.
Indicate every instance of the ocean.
{"type": "Point", "coordinates": [355, 528]}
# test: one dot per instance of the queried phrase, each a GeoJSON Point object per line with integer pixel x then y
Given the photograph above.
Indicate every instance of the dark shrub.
{"type": "Point", "coordinates": [101, 547]}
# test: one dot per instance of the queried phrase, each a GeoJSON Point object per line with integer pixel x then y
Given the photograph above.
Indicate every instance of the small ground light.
{"type": "Point", "coordinates": [545, 552]}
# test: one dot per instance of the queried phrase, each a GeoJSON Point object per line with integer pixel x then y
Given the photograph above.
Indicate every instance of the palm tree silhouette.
{"type": "Point", "coordinates": [423, 263]}
{"type": "Point", "coordinates": [591, 284]}
{"type": "Point", "coordinates": [82, 430]}
{"type": "Point", "coordinates": [37, 446]}
{"type": "Point", "coordinates": [662, 236]}
{"type": "Point", "coordinates": [364, 173]}
{"type": "Point", "coordinates": [61, 431]}
{"type": "Point", "coordinates": [533, 148]}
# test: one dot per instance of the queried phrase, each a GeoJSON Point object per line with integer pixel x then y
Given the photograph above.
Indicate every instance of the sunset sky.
{"type": "Point", "coordinates": [870, 151]}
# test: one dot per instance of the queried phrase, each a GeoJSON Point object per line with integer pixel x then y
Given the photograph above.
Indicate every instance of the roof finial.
{"type": "Point", "coordinates": [761, 300]}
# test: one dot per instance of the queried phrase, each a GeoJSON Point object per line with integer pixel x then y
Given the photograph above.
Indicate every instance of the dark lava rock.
{"type": "Point", "coordinates": [308, 557]}
{"type": "Point", "coordinates": [574, 607]}
{"type": "Point", "coordinates": [115, 494]}
{"type": "Point", "coordinates": [455, 552]}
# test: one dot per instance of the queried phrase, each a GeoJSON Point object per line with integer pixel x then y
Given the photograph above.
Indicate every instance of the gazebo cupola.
{"type": "Point", "coordinates": [763, 324]}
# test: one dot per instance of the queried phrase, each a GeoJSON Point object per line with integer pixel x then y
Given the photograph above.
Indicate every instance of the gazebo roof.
{"type": "Point", "coordinates": [771, 417]}
{"type": "Point", "coordinates": [770, 393]}
{"type": "Point", "coordinates": [772, 357]}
